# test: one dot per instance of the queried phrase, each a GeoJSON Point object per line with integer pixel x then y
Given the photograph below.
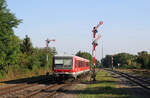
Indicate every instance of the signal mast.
{"type": "Point", "coordinates": [94, 43]}
{"type": "Point", "coordinates": [47, 42]}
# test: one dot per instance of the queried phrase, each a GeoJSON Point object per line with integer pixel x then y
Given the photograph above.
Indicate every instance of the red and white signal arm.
{"type": "Point", "coordinates": [101, 22]}
{"type": "Point", "coordinates": [98, 37]}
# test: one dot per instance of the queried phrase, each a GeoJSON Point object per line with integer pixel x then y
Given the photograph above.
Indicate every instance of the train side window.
{"type": "Point", "coordinates": [87, 64]}
{"type": "Point", "coordinates": [80, 64]}
{"type": "Point", "coordinates": [83, 64]}
{"type": "Point", "coordinates": [77, 63]}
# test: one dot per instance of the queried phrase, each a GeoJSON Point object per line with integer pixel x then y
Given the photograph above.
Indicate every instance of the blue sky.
{"type": "Point", "coordinates": [126, 25]}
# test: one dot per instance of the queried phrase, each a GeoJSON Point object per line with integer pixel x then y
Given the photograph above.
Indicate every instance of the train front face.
{"type": "Point", "coordinates": [63, 66]}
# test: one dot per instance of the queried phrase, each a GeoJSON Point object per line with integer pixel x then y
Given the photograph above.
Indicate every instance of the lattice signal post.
{"type": "Point", "coordinates": [94, 43]}
{"type": "Point", "coordinates": [47, 42]}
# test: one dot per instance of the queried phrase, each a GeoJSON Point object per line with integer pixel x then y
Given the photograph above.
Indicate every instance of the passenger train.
{"type": "Point", "coordinates": [69, 66]}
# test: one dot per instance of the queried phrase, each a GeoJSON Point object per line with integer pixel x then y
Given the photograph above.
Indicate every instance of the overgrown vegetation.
{"type": "Point", "coordinates": [18, 57]}
{"type": "Point", "coordinates": [126, 60]}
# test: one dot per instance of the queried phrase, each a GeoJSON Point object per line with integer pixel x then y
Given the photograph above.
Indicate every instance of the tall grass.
{"type": "Point", "coordinates": [16, 72]}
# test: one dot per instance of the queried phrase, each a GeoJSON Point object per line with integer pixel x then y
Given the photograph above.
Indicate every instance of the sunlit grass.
{"type": "Point", "coordinates": [105, 87]}
{"type": "Point", "coordinates": [18, 74]}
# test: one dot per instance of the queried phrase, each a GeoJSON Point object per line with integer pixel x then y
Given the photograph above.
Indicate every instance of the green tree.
{"type": "Point", "coordinates": [33, 58]}
{"type": "Point", "coordinates": [143, 58]}
{"type": "Point", "coordinates": [97, 63]}
{"type": "Point", "coordinates": [9, 43]}
{"type": "Point", "coordinates": [107, 61]}
{"type": "Point", "coordinates": [29, 58]}
{"type": "Point", "coordinates": [26, 46]}
{"type": "Point", "coordinates": [85, 55]}
{"type": "Point", "coordinates": [41, 55]}
{"type": "Point", "coordinates": [123, 59]}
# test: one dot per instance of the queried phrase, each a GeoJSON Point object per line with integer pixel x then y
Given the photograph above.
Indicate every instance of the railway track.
{"type": "Point", "coordinates": [18, 87]}
{"type": "Point", "coordinates": [54, 92]}
{"type": "Point", "coordinates": [20, 90]}
{"type": "Point", "coordinates": [50, 90]}
{"type": "Point", "coordinates": [44, 88]}
{"type": "Point", "coordinates": [140, 82]}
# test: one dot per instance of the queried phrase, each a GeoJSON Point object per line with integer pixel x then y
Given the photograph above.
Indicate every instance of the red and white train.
{"type": "Point", "coordinates": [70, 66]}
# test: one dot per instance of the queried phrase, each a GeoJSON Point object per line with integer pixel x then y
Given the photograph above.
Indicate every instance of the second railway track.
{"type": "Point", "coordinates": [140, 82]}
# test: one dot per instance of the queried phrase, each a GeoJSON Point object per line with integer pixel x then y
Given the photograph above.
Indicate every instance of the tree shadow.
{"type": "Point", "coordinates": [100, 91]}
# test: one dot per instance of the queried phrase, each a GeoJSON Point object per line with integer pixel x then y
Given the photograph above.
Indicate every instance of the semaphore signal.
{"type": "Point", "coordinates": [94, 43]}
{"type": "Point", "coordinates": [47, 42]}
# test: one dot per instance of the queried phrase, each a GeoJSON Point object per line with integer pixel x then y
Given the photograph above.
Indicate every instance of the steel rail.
{"type": "Point", "coordinates": [55, 91]}
{"type": "Point", "coordinates": [39, 91]}
{"type": "Point", "coordinates": [55, 85]}
{"type": "Point", "coordinates": [134, 79]}
{"type": "Point", "coordinates": [14, 88]}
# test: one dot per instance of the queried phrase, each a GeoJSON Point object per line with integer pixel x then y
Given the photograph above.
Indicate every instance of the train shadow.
{"type": "Point", "coordinates": [30, 80]}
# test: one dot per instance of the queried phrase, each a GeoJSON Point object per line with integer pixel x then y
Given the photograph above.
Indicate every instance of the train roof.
{"type": "Point", "coordinates": [67, 55]}
{"type": "Point", "coordinates": [63, 55]}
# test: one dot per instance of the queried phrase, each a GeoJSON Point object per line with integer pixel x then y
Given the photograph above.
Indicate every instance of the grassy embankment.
{"type": "Point", "coordinates": [106, 87]}
{"type": "Point", "coordinates": [14, 74]}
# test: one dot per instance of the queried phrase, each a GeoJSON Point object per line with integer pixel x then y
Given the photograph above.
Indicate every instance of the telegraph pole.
{"type": "Point", "coordinates": [47, 42]}
{"type": "Point", "coordinates": [94, 46]}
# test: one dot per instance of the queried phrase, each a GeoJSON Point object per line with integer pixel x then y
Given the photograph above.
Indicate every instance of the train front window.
{"type": "Point", "coordinates": [63, 63]}
{"type": "Point", "coordinates": [58, 62]}
{"type": "Point", "coordinates": [67, 62]}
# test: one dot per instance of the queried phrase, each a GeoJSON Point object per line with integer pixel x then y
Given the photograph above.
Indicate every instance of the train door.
{"type": "Point", "coordinates": [76, 66]}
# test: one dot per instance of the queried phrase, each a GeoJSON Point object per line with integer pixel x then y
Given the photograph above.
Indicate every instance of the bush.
{"type": "Point", "coordinates": [138, 66]}
{"type": "Point", "coordinates": [127, 67]}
